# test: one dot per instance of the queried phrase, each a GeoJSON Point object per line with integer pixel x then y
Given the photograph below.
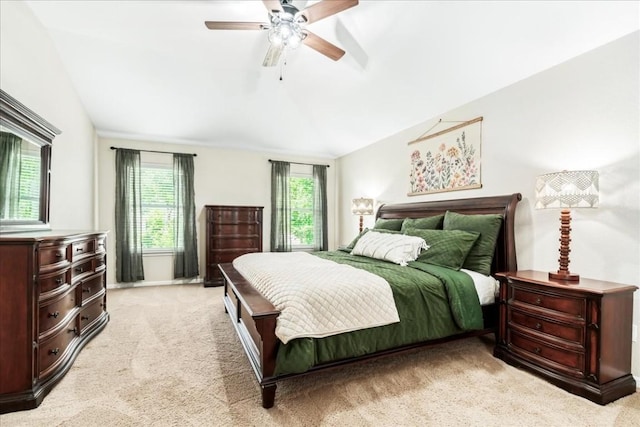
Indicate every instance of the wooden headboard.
{"type": "Point", "coordinates": [505, 255]}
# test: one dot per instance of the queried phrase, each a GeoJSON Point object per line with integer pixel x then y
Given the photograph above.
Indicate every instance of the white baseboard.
{"type": "Point", "coordinates": [196, 281]}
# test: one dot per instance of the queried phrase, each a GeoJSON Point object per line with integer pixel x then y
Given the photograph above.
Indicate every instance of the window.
{"type": "Point", "coordinates": [158, 207]}
{"type": "Point", "coordinates": [29, 200]}
{"type": "Point", "coordinates": [301, 194]}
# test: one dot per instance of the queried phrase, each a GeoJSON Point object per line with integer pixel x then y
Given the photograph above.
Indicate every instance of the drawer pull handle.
{"type": "Point", "coordinates": [55, 351]}
{"type": "Point", "coordinates": [538, 326]}
{"type": "Point", "coordinates": [74, 330]}
{"type": "Point", "coordinates": [538, 301]}
{"type": "Point", "coordinates": [536, 350]}
{"type": "Point", "coordinates": [87, 289]}
{"type": "Point", "coordinates": [58, 281]}
{"type": "Point", "coordinates": [79, 269]}
{"type": "Point", "coordinates": [84, 317]}
{"type": "Point", "coordinates": [54, 315]}
{"type": "Point", "coordinates": [58, 254]}
{"type": "Point", "coordinates": [79, 249]}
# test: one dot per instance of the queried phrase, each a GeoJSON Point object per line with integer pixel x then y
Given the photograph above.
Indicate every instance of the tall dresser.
{"type": "Point", "coordinates": [231, 231]}
{"type": "Point", "coordinates": [53, 300]}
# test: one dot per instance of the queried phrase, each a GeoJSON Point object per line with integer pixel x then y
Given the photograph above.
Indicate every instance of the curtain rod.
{"type": "Point", "coordinates": [153, 151]}
{"type": "Point", "coordinates": [297, 163]}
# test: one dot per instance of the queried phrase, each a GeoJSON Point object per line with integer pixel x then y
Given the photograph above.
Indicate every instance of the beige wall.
{"type": "Point", "coordinates": [583, 114]}
{"type": "Point", "coordinates": [31, 72]}
{"type": "Point", "coordinates": [222, 177]}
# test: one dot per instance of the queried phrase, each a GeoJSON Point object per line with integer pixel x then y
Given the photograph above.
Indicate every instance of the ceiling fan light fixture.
{"type": "Point", "coordinates": [285, 31]}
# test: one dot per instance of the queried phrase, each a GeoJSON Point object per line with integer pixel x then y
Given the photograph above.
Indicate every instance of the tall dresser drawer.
{"type": "Point", "coordinates": [54, 349]}
{"type": "Point", "coordinates": [234, 216]}
{"type": "Point", "coordinates": [573, 306]}
{"type": "Point", "coordinates": [247, 242]}
{"type": "Point", "coordinates": [226, 229]}
{"type": "Point", "coordinates": [56, 311]}
{"type": "Point", "coordinates": [573, 333]}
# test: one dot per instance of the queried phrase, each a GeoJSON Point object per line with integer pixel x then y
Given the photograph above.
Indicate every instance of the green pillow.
{"type": "Point", "coordinates": [447, 248]}
{"type": "Point", "coordinates": [388, 224]}
{"type": "Point", "coordinates": [427, 223]}
{"type": "Point", "coordinates": [488, 225]}
{"type": "Point", "coordinates": [351, 245]}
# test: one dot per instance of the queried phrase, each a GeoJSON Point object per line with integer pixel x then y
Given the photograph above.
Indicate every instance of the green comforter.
{"type": "Point", "coordinates": [432, 302]}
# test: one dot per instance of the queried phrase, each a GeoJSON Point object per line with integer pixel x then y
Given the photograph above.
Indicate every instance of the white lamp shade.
{"type": "Point", "coordinates": [362, 206]}
{"type": "Point", "coordinates": [567, 189]}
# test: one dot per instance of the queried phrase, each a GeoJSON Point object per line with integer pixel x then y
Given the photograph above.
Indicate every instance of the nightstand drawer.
{"type": "Point", "coordinates": [561, 303]}
{"type": "Point", "coordinates": [574, 333]}
{"type": "Point", "coordinates": [571, 362]}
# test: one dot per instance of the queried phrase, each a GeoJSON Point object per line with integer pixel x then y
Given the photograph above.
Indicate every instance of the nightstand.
{"type": "Point", "coordinates": [575, 335]}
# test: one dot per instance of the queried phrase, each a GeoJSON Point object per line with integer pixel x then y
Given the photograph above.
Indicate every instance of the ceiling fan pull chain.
{"type": "Point", "coordinates": [284, 62]}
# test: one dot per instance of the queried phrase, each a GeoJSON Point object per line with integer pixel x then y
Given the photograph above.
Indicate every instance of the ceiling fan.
{"type": "Point", "coordinates": [287, 27]}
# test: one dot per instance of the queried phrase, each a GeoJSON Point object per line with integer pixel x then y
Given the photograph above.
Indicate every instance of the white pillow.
{"type": "Point", "coordinates": [397, 248]}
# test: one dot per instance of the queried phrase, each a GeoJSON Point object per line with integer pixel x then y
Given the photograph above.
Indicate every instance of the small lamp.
{"type": "Point", "coordinates": [362, 206]}
{"type": "Point", "coordinates": [566, 189]}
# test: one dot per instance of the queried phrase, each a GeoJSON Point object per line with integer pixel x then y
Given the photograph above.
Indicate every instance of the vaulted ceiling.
{"type": "Point", "coordinates": [151, 70]}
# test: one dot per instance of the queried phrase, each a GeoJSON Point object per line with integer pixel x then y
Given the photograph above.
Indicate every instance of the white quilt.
{"type": "Point", "coordinates": [317, 297]}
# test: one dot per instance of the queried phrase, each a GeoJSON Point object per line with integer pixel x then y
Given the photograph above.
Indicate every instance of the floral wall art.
{"type": "Point", "coordinates": [448, 160]}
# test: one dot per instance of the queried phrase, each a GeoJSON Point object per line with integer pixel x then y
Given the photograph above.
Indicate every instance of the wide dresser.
{"type": "Point", "coordinates": [575, 335]}
{"type": "Point", "coordinates": [53, 300]}
{"type": "Point", "coordinates": [231, 231]}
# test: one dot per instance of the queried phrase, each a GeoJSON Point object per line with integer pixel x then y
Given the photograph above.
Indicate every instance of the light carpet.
{"type": "Point", "coordinates": [170, 357]}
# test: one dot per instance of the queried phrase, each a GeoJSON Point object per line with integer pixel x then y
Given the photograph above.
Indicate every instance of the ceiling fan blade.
{"type": "Point", "coordinates": [273, 56]}
{"type": "Point", "coordinates": [272, 5]}
{"type": "Point", "coordinates": [219, 25]}
{"type": "Point", "coordinates": [325, 8]}
{"type": "Point", "coordinates": [324, 47]}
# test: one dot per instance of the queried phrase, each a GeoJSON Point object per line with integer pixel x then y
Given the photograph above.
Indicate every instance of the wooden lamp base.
{"type": "Point", "coordinates": [361, 224]}
{"type": "Point", "coordinates": [563, 273]}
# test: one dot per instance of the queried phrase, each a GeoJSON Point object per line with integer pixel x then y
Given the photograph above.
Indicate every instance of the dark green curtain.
{"type": "Point", "coordinates": [10, 160]}
{"type": "Point", "coordinates": [320, 208]}
{"type": "Point", "coordinates": [280, 207]}
{"type": "Point", "coordinates": [128, 217]}
{"type": "Point", "coordinates": [186, 247]}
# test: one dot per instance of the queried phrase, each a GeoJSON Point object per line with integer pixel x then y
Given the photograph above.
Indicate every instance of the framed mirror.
{"type": "Point", "coordinates": [25, 167]}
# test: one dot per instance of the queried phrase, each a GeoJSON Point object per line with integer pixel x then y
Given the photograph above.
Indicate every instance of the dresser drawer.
{"type": "Point", "coordinates": [56, 311]}
{"type": "Point", "coordinates": [575, 307]}
{"type": "Point", "coordinates": [573, 333]}
{"type": "Point", "coordinates": [82, 249]}
{"type": "Point", "coordinates": [91, 313]}
{"type": "Point", "coordinates": [91, 286]}
{"type": "Point", "coordinates": [570, 362]}
{"type": "Point", "coordinates": [52, 256]}
{"type": "Point", "coordinates": [54, 350]}
{"type": "Point", "coordinates": [52, 282]}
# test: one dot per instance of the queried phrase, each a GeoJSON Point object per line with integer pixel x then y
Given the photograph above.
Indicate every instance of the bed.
{"type": "Point", "coordinates": [255, 318]}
